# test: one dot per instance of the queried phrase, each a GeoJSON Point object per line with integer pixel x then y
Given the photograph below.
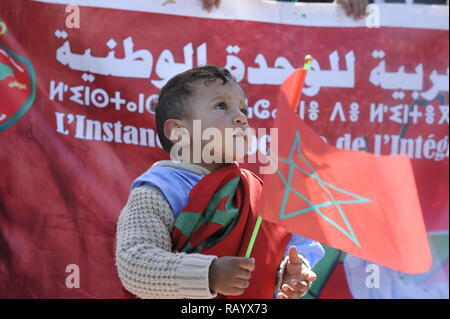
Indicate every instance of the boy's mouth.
{"type": "Point", "coordinates": [241, 134]}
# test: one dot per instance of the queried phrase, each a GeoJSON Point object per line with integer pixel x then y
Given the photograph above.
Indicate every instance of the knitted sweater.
{"type": "Point", "coordinates": [146, 265]}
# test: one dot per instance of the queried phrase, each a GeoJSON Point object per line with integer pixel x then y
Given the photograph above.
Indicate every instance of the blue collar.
{"type": "Point", "coordinates": [175, 184]}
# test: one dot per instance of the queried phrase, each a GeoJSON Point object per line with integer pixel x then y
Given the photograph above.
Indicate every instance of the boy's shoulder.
{"type": "Point", "coordinates": [169, 173]}
{"type": "Point", "coordinates": [187, 167]}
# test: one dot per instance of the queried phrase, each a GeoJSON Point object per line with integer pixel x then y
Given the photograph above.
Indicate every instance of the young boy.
{"type": "Point", "coordinates": [187, 224]}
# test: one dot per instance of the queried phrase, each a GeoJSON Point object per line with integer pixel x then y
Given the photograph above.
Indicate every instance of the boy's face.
{"type": "Point", "coordinates": [222, 110]}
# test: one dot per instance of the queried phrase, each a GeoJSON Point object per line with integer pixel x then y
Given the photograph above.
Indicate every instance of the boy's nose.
{"type": "Point", "coordinates": [240, 119]}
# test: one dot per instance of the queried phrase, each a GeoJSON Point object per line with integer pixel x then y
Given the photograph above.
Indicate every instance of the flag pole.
{"type": "Point", "coordinates": [298, 84]}
{"type": "Point", "coordinates": [308, 61]}
{"type": "Point", "coordinates": [253, 238]}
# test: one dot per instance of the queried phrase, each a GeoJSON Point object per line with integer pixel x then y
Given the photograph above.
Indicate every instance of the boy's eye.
{"type": "Point", "coordinates": [221, 106]}
{"type": "Point", "coordinates": [224, 106]}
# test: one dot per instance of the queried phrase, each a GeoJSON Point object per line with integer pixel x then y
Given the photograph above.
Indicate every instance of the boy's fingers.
{"type": "Point", "coordinates": [241, 283]}
{"type": "Point", "coordinates": [244, 274]}
{"type": "Point", "coordinates": [217, 3]}
{"type": "Point", "coordinates": [236, 291]}
{"type": "Point", "coordinates": [247, 263]}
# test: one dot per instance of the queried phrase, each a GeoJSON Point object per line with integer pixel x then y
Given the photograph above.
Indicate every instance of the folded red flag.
{"type": "Point", "coordinates": [357, 202]}
{"type": "Point", "coordinates": [292, 87]}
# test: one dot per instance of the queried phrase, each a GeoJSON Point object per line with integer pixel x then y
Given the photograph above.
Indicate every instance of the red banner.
{"type": "Point", "coordinates": [76, 121]}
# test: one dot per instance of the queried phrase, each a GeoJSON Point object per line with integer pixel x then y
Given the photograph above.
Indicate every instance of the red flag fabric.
{"type": "Point", "coordinates": [292, 87]}
{"type": "Point", "coordinates": [219, 219]}
{"type": "Point", "coordinates": [357, 202]}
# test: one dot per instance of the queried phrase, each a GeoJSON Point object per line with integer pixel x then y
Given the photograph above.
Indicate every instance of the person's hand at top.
{"type": "Point", "coordinates": [355, 8]}
{"type": "Point", "coordinates": [208, 5]}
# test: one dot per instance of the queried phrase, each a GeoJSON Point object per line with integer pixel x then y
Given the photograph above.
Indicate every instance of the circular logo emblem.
{"type": "Point", "coordinates": [17, 86]}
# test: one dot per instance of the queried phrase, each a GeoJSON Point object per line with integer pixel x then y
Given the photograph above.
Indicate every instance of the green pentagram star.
{"type": "Point", "coordinates": [324, 185]}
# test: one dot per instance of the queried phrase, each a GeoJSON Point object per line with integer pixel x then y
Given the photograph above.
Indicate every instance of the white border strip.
{"type": "Point", "coordinates": [303, 14]}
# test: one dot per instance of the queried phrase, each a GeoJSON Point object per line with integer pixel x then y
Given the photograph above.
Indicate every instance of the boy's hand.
{"type": "Point", "coordinates": [230, 275]}
{"type": "Point", "coordinates": [296, 278]}
{"type": "Point", "coordinates": [208, 5]}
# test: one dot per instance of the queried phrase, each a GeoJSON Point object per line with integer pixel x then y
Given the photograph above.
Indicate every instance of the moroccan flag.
{"type": "Point", "coordinates": [293, 85]}
{"type": "Point", "coordinates": [219, 219]}
{"type": "Point", "coordinates": [357, 202]}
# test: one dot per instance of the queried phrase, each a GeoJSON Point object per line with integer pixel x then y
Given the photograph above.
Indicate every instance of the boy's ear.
{"type": "Point", "coordinates": [169, 127]}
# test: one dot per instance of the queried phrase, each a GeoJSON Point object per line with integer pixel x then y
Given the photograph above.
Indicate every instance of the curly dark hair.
{"type": "Point", "coordinates": [172, 100]}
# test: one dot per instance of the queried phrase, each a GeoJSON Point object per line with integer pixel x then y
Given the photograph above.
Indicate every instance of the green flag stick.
{"type": "Point", "coordinates": [253, 238]}
{"type": "Point", "coordinates": [308, 61]}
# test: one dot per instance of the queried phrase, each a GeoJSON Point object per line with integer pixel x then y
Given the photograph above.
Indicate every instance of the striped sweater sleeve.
{"type": "Point", "coordinates": [146, 265]}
